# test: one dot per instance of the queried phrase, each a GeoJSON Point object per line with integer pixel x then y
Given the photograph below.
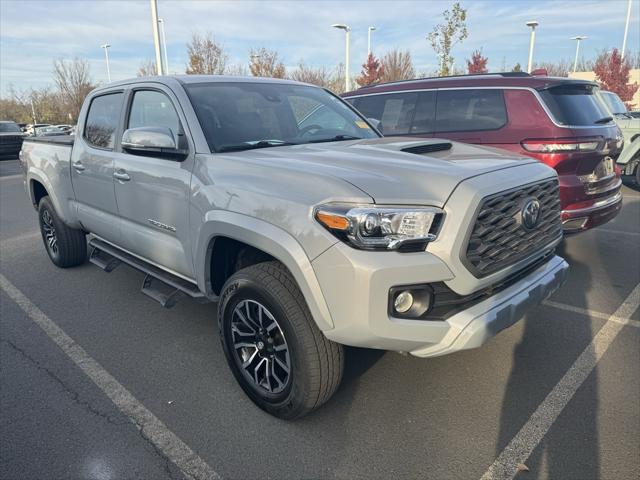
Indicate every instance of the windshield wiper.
{"type": "Point", "coordinates": [604, 120]}
{"type": "Point", "coordinates": [337, 138]}
{"type": "Point", "coordinates": [253, 145]}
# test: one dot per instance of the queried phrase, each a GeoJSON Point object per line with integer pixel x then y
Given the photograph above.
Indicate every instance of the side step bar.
{"type": "Point", "coordinates": [158, 284]}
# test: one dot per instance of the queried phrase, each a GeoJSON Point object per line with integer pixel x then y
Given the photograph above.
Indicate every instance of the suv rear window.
{"type": "Point", "coordinates": [470, 110]}
{"type": "Point", "coordinates": [574, 104]}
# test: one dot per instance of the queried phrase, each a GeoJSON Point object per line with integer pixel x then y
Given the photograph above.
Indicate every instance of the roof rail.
{"type": "Point", "coordinates": [472, 75]}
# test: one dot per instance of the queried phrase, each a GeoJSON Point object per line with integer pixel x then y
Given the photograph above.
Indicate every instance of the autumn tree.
{"type": "Point", "coordinates": [477, 63]}
{"type": "Point", "coordinates": [612, 73]}
{"type": "Point", "coordinates": [445, 35]}
{"type": "Point", "coordinates": [206, 56]}
{"type": "Point", "coordinates": [317, 76]}
{"type": "Point", "coordinates": [148, 68]}
{"type": "Point", "coordinates": [517, 67]}
{"type": "Point", "coordinates": [372, 71]}
{"type": "Point", "coordinates": [73, 81]}
{"type": "Point", "coordinates": [397, 65]}
{"type": "Point", "coordinates": [265, 63]}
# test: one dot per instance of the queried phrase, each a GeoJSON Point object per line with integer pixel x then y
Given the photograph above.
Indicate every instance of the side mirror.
{"type": "Point", "coordinates": [151, 141]}
{"type": "Point", "coordinates": [375, 122]}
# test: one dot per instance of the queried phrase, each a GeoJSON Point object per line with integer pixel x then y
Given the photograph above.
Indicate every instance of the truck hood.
{"type": "Point", "coordinates": [393, 170]}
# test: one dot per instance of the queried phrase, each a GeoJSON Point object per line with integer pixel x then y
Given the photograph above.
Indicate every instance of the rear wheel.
{"type": "Point", "coordinates": [66, 247]}
{"type": "Point", "coordinates": [276, 352]}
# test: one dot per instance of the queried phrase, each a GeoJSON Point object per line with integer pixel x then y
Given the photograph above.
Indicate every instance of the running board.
{"type": "Point", "coordinates": [164, 287]}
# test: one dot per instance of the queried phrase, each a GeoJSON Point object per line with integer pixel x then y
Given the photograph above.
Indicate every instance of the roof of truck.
{"type": "Point", "coordinates": [506, 79]}
{"type": "Point", "coordinates": [191, 79]}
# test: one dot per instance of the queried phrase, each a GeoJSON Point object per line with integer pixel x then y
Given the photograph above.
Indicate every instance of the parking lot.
{"type": "Point", "coordinates": [98, 381]}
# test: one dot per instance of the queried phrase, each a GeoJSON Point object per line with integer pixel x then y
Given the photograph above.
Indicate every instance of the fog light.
{"type": "Point", "coordinates": [403, 302]}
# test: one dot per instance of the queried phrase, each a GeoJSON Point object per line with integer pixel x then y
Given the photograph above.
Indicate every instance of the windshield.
{"type": "Point", "coordinates": [613, 102]}
{"type": "Point", "coordinates": [9, 127]}
{"type": "Point", "coordinates": [243, 115]}
{"type": "Point", "coordinates": [575, 104]}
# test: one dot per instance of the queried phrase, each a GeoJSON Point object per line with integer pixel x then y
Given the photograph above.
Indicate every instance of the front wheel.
{"type": "Point", "coordinates": [276, 352]}
{"type": "Point", "coordinates": [66, 246]}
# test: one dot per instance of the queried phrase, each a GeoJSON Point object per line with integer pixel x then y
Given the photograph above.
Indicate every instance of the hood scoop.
{"type": "Point", "coordinates": [428, 148]}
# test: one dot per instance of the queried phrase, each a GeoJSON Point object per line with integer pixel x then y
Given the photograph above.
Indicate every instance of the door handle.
{"type": "Point", "coordinates": [78, 166]}
{"type": "Point", "coordinates": [122, 176]}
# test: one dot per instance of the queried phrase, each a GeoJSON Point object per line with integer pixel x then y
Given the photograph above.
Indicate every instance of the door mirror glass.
{"type": "Point", "coordinates": [153, 141]}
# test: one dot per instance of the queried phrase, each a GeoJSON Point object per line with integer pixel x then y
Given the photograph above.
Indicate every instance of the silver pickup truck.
{"type": "Point", "coordinates": [281, 203]}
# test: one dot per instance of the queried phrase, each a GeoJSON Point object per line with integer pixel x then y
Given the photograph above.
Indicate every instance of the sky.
{"type": "Point", "coordinates": [35, 33]}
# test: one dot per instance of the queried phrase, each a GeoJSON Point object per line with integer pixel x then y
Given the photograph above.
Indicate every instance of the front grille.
{"type": "Point", "coordinates": [10, 139]}
{"type": "Point", "coordinates": [500, 238]}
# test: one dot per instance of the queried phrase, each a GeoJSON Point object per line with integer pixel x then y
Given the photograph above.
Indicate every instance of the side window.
{"type": "Point", "coordinates": [395, 111]}
{"type": "Point", "coordinates": [103, 119]}
{"type": "Point", "coordinates": [425, 116]}
{"type": "Point", "coordinates": [469, 110]}
{"type": "Point", "coordinates": [153, 109]}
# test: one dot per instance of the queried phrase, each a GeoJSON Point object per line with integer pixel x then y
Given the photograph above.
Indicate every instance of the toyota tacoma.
{"type": "Point", "coordinates": [282, 204]}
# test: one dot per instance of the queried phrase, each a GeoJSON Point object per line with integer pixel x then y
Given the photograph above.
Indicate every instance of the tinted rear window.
{"type": "Point", "coordinates": [102, 120]}
{"type": "Point", "coordinates": [470, 110]}
{"type": "Point", "coordinates": [574, 104]}
{"type": "Point", "coordinates": [9, 127]}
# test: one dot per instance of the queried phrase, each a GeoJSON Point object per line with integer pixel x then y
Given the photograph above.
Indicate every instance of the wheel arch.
{"type": "Point", "coordinates": [231, 230]}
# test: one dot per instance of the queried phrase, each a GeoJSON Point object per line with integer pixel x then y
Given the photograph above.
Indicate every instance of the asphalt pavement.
{"type": "Point", "coordinates": [562, 385]}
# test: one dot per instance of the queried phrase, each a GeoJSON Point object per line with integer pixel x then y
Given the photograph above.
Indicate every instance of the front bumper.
{"type": "Point", "coordinates": [356, 284]}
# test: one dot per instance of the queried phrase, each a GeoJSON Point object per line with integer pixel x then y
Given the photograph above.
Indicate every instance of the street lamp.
{"type": "Point", "coordinates": [347, 30]}
{"type": "Point", "coordinates": [106, 55]}
{"type": "Point", "coordinates": [578, 39]}
{"type": "Point", "coordinates": [371, 29]}
{"type": "Point", "coordinates": [533, 24]}
{"type": "Point", "coordinates": [156, 35]}
{"type": "Point", "coordinates": [626, 29]}
{"type": "Point", "coordinates": [164, 45]}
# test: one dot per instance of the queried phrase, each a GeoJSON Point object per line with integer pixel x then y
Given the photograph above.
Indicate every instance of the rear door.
{"type": "Point", "coordinates": [92, 166]}
{"type": "Point", "coordinates": [152, 192]}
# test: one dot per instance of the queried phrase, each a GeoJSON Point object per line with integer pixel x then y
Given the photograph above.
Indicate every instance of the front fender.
{"type": "Point", "coordinates": [270, 239]}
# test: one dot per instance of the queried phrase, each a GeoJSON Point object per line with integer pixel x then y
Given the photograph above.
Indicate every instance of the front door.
{"type": "Point", "coordinates": [152, 192]}
{"type": "Point", "coordinates": [92, 167]}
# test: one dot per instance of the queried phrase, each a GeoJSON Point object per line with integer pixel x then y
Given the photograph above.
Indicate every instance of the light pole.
{"type": "Point", "coordinates": [156, 36]}
{"type": "Point", "coordinates": [164, 46]}
{"type": "Point", "coordinates": [347, 30]}
{"type": "Point", "coordinates": [106, 56]}
{"type": "Point", "coordinates": [533, 24]}
{"type": "Point", "coordinates": [371, 29]}
{"type": "Point", "coordinates": [578, 39]}
{"type": "Point", "coordinates": [626, 28]}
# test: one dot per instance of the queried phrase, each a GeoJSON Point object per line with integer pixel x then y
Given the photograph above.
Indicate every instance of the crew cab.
{"type": "Point", "coordinates": [558, 121]}
{"type": "Point", "coordinates": [281, 203]}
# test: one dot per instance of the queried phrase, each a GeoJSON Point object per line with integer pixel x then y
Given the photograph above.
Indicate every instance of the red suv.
{"type": "Point", "coordinates": [559, 121]}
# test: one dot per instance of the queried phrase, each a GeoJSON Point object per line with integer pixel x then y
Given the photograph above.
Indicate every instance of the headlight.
{"type": "Point", "coordinates": [381, 228]}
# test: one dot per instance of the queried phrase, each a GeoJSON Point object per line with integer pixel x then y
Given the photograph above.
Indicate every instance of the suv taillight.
{"type": "Point", "coordinates": [560, 145]}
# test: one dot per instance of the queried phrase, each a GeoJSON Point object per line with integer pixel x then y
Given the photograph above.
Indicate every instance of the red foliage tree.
{"type": "Point", "coordinates": [477, 63]}
{"type": "Point", "coordinates": [612, 73]}
{"type": "Point", "coordinates": [372, 71]}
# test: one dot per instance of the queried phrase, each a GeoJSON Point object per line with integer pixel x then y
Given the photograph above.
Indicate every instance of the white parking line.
{"type": "Point", "coordinates": [151, 427]}
{"type": "Point", "coordinates": [591, 313]}
{"type": "Point", "coordinates": [527, 439]}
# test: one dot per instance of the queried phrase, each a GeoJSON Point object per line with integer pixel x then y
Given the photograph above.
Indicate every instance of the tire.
{"type": "Point", "coordinates": [637, 176]}
{"type": "Point", "coordinates": [66, 247]}
{"type": "Point", "coordinates": [315, 363]}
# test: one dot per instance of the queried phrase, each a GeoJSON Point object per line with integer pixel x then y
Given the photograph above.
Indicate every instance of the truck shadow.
{"type": "Point", "coordinates": [575, 430]}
